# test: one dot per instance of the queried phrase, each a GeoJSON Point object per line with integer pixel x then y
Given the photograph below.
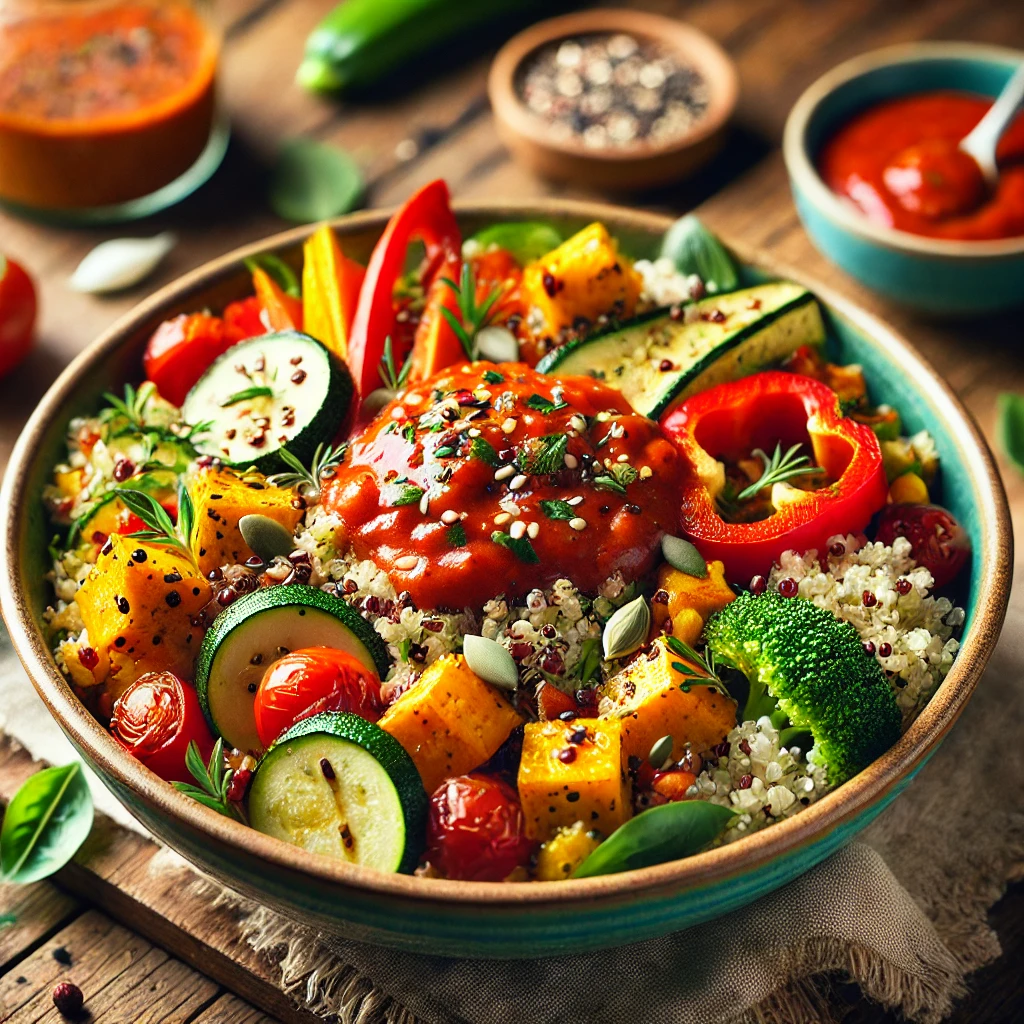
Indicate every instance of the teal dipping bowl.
{"type": "Point", "coordinates": [932, 275]}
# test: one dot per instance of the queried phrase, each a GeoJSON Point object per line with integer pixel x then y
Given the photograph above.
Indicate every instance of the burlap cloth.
{"type": "Point", "coordinates": [902, 912]}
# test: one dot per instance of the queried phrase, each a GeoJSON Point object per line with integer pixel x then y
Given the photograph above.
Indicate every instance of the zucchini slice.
{"type": "Point", "coordinates": [257, 630]}
{"type": "Point", "coordinates": [338, 785]}
{"type": "Point", "coordinates": [276, 391]}
{"type": "Point", "coordinates": [721, 339]}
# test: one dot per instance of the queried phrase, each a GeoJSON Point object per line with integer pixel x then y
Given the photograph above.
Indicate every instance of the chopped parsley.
{"type": "Point", "coordinates": [410, 495]}
{"type": "Point", "coordinates": [456, 536]}
{"type": "Point", "coordinates": [545, 405]}
{"type": "Point", "coordinates": [493, 378]}
{"type": "Point", "coordinates": [624, 473]}
{"type": "Point", "coordinates": [544, 454]}
{"type": "Point", "coordinates": [409, 432]}
{"type": "Point", "coordinates": [521, 547]}
{"type": "Point", "coordinates": [558, 510]}
{"type": "Point", "coordinates": [482, 449]}
{"type": "Point", "coordinates": [606, 482]}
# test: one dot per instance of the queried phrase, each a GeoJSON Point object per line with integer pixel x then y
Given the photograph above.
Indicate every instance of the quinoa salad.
{"type": "Point", "coordinates": [504, 558]}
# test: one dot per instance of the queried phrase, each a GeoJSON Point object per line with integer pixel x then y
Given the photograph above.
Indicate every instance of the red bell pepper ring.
{"type": "Point", "coordinates": [729, 421]}
{"type": "Point", "coordinates": [426, 217]}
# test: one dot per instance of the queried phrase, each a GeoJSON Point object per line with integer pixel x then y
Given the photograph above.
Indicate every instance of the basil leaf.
{"type": "Point", "coordinates": [657, 835]}
{"type": "Point", "coordinates": [521, 547]}
{"type": "Point", "coordinates": [558, 509]}
{"type": "Point", "coordinates": [46, 822]}
{"type": "Point", "coordinates": [148, 509]}
{"type": "Point", "coordinates": [313, 181]}
{"type": "Point", "coordinates": [607, 482]}
{"type": "Point", "coordinates": [410, 495]}
{"type": "Point", "coordinates": [1010, 428]}
{"type": "Point", "coordinates": [277, 270]}
{"type": "Point", "coordinates": [695, 250]}
{"type": "Point", "coordinates": [482, 449]}
{"type": "Point", "coordinates": [526, 240]}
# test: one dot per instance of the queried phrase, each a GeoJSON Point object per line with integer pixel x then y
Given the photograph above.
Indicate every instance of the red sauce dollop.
{"type": "Point", "coordinates": [479, 442]}
{"type": "Point", "coordinates": [898, 162]}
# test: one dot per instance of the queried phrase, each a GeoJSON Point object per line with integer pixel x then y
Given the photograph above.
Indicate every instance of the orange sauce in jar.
{"type": "Point", "coordinates": [100, 105]}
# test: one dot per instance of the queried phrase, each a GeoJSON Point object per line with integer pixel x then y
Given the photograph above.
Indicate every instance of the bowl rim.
{"type": "Point", "coordinates": [753, 852]}
{"type": "Point", "coordinates": [805, 175]}
{"type": "Point", "coordinates": [717, 67]}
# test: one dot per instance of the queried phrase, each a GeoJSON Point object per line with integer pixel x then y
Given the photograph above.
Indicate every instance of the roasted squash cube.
{"type": "Point", "coordinates": [582, 279]}
{"type": "Point", "coordinates": [654, 697]}
{"type": "Point", "coordinates": [137, 610]}
{"type": "Point", "coordinates": [221, 498]}
{"type": "Point", "coordinates": [690, 601]}
{"type": "Point", "coordinates": [590, 784]}
{"type": "Point", "coordinates": [450, 721]}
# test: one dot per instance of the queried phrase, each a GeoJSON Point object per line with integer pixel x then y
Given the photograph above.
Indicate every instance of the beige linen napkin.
{"type": "Point", "coordinates": [902, 913]}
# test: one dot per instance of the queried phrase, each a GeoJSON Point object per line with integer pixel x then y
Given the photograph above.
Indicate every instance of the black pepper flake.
{"type": "Point", "coordinates": [172, 577]}
{"type": "Point", "coordinates": [328, 769]}
{"type": "Point", "coordinates": [139, 555]}
{"type": "Point", "coordinates": [123, 606]}
{"type": "Point", "coordinates": [173, 599]}
{"type": "Point", "coordinates": [572, 797]}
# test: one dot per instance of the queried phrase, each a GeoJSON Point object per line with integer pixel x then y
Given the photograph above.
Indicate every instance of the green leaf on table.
{"type": "Point", "coordinates": [695, 250]}
{"type": "Point", "coordinates": [313, 181]}
{"type": "Point", "coordinates": [655, 836]}
{"type": "Point", "coordinates": [46, 822]}
{"type": "Point", "coordinates": [1010, 428]}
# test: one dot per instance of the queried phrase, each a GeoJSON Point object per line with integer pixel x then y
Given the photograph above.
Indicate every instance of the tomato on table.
{"type": "Point", "coordinates": [156, 718]}
{"type": "Point", "coordinates": [308, 681]}
{"type": "Point", "coordinates": [18, 308]}
{"type": "Point", "coordinates": [476, 830]}
{"type": "Point", "coordinates": [937, 541]}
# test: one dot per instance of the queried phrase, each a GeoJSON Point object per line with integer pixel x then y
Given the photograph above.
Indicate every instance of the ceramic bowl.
{"type": "Point", "coordinates": [933, 275]}
{"type": "Point", "coordinates": [626, 168]}
{"type": "Point", "coordinates": [494, 919]}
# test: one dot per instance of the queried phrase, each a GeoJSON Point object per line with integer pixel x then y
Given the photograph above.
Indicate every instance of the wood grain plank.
{"type": "Point", "coordinates": [152, 992]}
{"type": "Point", "coordinates": [37, 909]}
{"type": "Point", "coordinates": [229, 1009]}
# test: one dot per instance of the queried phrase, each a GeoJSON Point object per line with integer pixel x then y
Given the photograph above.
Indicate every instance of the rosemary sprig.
{"type": "Point", "coordinates": [247, 394]}
{"type": "Point", "coordinates": [213, 778]}
{"type": "Point", "coordinates": [162, 528]}
{"type": "Point", "coordinates": [129, 415]}
{"type": "Point", "coordinates": [393, 377]}
{"type": "Point", "coordinates": [777, 468]}
{"type": "Point", "coordinates": [132, 407]}
{"type": "Point", "coordinates": [473, 317]}
{"type": "Point", "coordinates": [307, 482]}
{"type": "Point", "coordinates": [705, 664]}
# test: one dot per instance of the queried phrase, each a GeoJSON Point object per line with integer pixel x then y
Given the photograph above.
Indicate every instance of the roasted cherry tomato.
{"type": "Point", "coordinates": [673, 783]}
{"type": "Point", "coordinates": [17, 314]}
{"type": "Point", "coordinates": [552, 702]}
{"type": "Point", "coordinates": [937, 540]}
{"type": "Point", "coordinates": [243, 317]}
{"type": "Point", "coordinates": [308, 681]}
{"type": "Point", "coordinates": [476, 830]}
{"type": "Point", "coordinates": [156, 718]}
{"type": "Point", "coordinates": [181, 349]}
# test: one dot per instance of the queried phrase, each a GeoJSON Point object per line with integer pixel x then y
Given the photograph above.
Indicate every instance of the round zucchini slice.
{"type": "Point", "coordinates": [338, 785]}
{"type": "Point", "coordinates": [258, 629]}
{"type": "Point", "coordinates": [276, 391]}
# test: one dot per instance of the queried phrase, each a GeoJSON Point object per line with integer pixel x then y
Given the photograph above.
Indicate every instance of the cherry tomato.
{"type": "Point", "coordinates": [243, 317]}
{"type": "Point", "coordinates": [182, 348]}
{"type": "Point", "coordinates": [308, 681]}
{"type": "Point", "coordinates": [17, 314]}
{"type": "Point", "coordinates": [937, 540]}
{"type": "Point", "coordinates": [552, 702]}
{"type": "Point", "coordinates": [476, 829]}
{"type": "Point", "coordinates": [673, 783]}
{"type": "Point", "coordinates": [155, 719]}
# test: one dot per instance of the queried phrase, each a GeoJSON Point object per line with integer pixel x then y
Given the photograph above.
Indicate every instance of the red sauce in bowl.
{"type": "Point", "coordinates": [898, 162]}
{"type": "Point", "coordinates": [426, 489]}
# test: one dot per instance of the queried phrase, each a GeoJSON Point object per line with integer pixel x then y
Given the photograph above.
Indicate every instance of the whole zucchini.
{"type": "Point", "coordinates": [362, 41]}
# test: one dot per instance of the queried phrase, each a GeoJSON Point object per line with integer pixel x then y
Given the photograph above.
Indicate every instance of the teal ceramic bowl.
{"type": "Point", "coordinates": [932, 275]}
{"type": "Point", "coordinates": [496, 919]}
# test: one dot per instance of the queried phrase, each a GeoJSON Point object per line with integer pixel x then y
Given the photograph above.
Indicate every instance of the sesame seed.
{"type": "Point", "coordinates": [482, 393]}
{"type": "Point", "coordinates": [501, 518]}
{"type": "Point", "coordinates": [449, 516]}
{"type": "Point", "coordinates": [575, 500]}
{"type": "Point", "coordinates": [505, 472]}
{"type": "Point", "coordinates": [424, 503]}
{"type": "Point", "coordinates": [578, 524]}
{"type": "Point", "coordinates": [571, 462]}
{"type": "Point", "coordinates": [508, 426]}
{"type": "Point", "coordinates": [646, 472]}
{"type": "Point", "coordinates": [623, 458]}
{"type": "Point", "coordinates": [533, 531]}
{"type": "Point", "coordinates": [603, 417]}
{"type": "Point", "coordinates": [398, 413]}
{"type": "Point", "coordinates": [517, 529]}
{"type": "Point", "coordinates": [406, 562]}
{"type": "Point", "coordinates": [517, 482]}
{"type": "Point", "coordinates": [578, 423]}
{"type": "Point", "coordinates": [473, 432]}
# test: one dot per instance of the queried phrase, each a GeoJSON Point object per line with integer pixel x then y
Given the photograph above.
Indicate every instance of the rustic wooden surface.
{"type": "Point", "coordinates": [139, 941]}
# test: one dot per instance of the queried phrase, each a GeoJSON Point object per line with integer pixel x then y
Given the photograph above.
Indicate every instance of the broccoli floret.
{"type": "Point", "coordinates": [814, 667]}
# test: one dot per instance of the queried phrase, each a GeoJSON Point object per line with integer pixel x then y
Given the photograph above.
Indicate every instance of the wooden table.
{"type": "Point", "coordinates": [118, 922]}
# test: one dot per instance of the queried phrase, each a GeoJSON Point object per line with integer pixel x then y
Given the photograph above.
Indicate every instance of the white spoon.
{"type": "Point", "coordinates": [983, 139]}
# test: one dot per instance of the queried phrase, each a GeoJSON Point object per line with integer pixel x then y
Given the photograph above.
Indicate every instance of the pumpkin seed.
{"type": "Point", "coordinates": [120, 263]}
{"type": "Point", "coordinates": [682, 555]}
{"type": "Point", "coordinates": [627, 629]}
{"type": "Point", "coordinates": [491, 662]}
{"type": "Point", "coordinates": [377, 399]}
{"type": "Point", "coordinates": [661, 753]}
{"type": "Point", "coordinates": [497, 344]}
{"type": "Point", "coordinates": [695, 250]}
{"type": "Point", "coordinates": [267, 537]}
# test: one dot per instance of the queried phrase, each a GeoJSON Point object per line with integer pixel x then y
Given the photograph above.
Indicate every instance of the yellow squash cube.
{"type": "Point", "coordinates": [590, 784]}
{"type": "Point", "coordinates": [687, 602]}
{"type": "Point", "coordinates": [450, 721]}
{"type": "Point", "coordinates": [138, 610]}
{"type": "Point", "coordinates": [582, 279]}
{"type": "Point", "coordinates": [221, 498]}
{"type": "Point", "coordinates": [652, 698]}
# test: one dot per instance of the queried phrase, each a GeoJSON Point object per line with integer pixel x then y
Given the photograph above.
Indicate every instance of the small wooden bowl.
{"type": "Point", "coordinates": [622, 168]}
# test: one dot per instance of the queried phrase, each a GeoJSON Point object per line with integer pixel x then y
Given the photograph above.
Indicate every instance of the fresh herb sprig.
{"type": "Point", "coordinates": [160, 527]}
{"type": "Point", "coordinates": [698, 666]}
{"type": "Point", "coordinates": [213, 778]}
{"type": "Point", "coordinates": [473, 316]}
{"type": "Point", "coordinates": [778, 467]}
{"type": "Point", "coordinates": [132, 407]}
{"type": "Point", "coordinates": [393, 377]}
{"type": "Point", "coordinates": [308, 482]}
{"type": "Point", "coordinates": [130, 415]}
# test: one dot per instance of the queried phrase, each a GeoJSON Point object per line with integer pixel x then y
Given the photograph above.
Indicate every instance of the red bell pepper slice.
{"type": "Point", "coordinates": [436, 345]}
{"type": "Point", "coordinates": [728, 422]}
{"type": "Point", "coordinates": [427, 217]}
{"type": "Point", "coordinates": [181, 349]}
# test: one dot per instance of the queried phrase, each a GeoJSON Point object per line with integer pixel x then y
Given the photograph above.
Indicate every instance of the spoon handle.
{"type": "Point", "coordinates": [982, 141]}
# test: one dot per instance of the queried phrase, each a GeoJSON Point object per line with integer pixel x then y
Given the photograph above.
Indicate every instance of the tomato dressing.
{"type": "Point", "coordinates": [103, 105]}
{"type": "Point", "coordinates": [495, 479]}
{"type": "Point", "coordinates": [898, 162]}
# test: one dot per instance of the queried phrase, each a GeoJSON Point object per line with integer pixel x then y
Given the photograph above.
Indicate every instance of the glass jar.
{"type": "Point", "coordinates": [108, 109]}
